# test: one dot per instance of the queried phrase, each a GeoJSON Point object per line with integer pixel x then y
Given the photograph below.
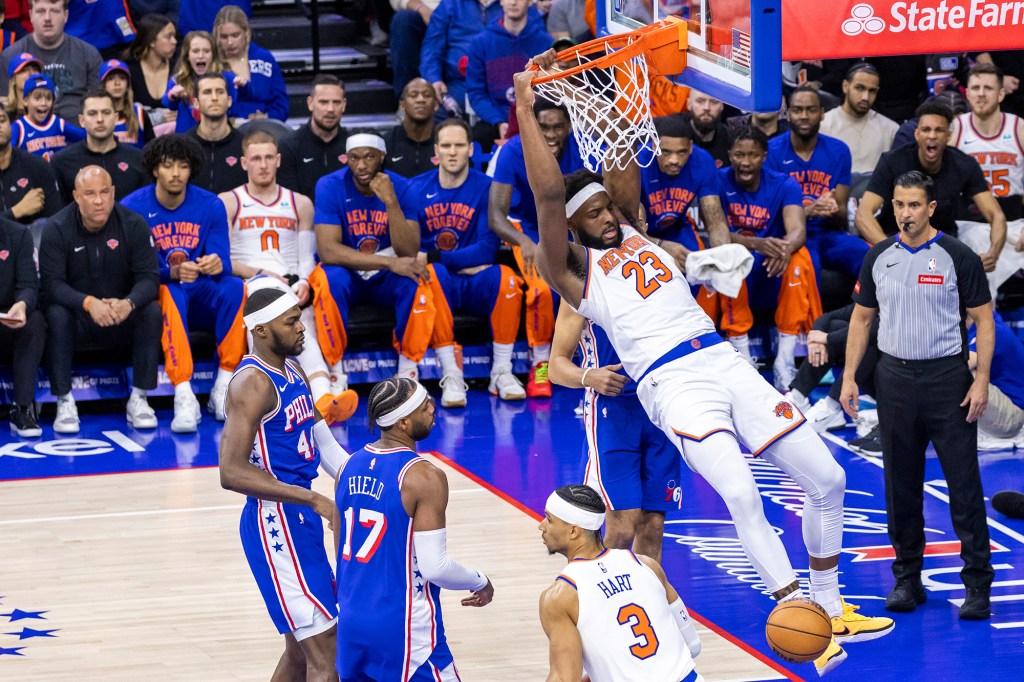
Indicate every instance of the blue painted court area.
{"type": "Point", "coordinates": [525, 450]}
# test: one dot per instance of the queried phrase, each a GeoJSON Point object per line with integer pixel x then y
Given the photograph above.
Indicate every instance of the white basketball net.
{"type": "Point", "coordinates": [609, 109]}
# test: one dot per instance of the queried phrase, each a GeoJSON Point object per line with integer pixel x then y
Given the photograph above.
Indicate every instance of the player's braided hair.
{"type": "Point", "coordinates": [582, 496]}
{"type": "Point", "coordinates": [386, 396]}
{"type": "Point", "coordinates": [260, 299]}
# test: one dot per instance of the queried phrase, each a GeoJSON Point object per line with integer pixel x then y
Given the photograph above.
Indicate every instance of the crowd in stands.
{"type": "Point", "coordinates": [127, 165]}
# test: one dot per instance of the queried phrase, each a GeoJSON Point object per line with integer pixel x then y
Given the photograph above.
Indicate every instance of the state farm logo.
{"type": "Point", "coordinates": [863, 20]}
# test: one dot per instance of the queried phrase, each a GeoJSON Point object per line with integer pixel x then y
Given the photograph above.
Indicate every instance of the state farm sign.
{"type": "Point", "coordinates": [815, 30]}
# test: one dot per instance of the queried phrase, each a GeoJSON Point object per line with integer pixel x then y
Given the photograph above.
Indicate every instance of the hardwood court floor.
{"type": "Point", "coordinates": [143, 578]}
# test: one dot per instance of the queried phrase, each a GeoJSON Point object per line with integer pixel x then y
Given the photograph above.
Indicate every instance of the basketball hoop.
{"type": "Point", "coordinates": [605, 86]}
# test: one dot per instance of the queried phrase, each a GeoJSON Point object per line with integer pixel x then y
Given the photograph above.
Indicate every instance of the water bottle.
{"type": "Point", "coordinates": [451, 106]}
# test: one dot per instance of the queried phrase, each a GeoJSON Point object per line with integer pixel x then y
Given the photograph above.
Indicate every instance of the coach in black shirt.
{"type": "Point", "coordinates": [22, 327]}
{"type": "Point", "coordinates": [317, 148]}
{"type": "Point", "coordinates": [956, 177]}
{"type": "Point", "coordinates": [704, 114]}
{"type": "Point", "coordinates": [222, 145]}
{"type": "Point", "coordinates": [99, 148]}
{"type": "Point", "coordinates": [922, 284]}
{"type": "Point", "coordinates": [410, 145]}
{"type": "Point", "coordinates": [28, 188]}
{"type": "Point", "coordinates": [100, 279]}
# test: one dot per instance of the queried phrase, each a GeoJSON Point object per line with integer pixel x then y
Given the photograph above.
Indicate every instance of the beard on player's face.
{"type": "Point", "coordinates": [284, 346]}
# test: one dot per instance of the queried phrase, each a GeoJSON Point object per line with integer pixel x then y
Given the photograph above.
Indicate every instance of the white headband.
{"type": "Point", "coordinates": [581, 196]}
{"type": "Point", "coordinates": [270, 312]}
{"type": "Point", "coordinates": [405, 409]}
{"type": "Point", "coordinates": [365, 140]}
{"type": "Point", "coordinates": [570, 513]}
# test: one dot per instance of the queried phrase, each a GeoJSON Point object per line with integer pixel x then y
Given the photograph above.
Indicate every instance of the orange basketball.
{"type": "Point", "coordinates": [798, 630]}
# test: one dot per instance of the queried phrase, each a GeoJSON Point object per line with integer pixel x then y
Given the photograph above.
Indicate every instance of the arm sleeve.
{"type": "Point", "coordinates": [145, 265]}
{"type": "Point", "coordinates": [439, 568]}
{"type": "Point", "coordinates": [26, 279]}
{"type": "Point", "coordinates": [434, 45]}
{"type": "Point", "coordinates": [685, 624]}
{"type": "Point", "coordinates": [485, 243]}
{"type": "Point", "coordinates": [333, 457]}
{"type": "Point", "coordinates": [864, 291]}
{"type": "Point", "coordinates": [53, 263]}
{"type": "Point", "coordinates": [971, 281]}
{"type": "Point", "coordinates": [307, 253]}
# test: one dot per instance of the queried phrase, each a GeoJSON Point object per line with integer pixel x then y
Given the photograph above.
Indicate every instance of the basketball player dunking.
{"type": "Point", "coordinates": [273, 441]}
{"type": "Point", "coordinates": [696, 389]}
{"type": "Point", "coordinates": [392, 549]}
{"type": "Point", "coordinates": [610, 612]}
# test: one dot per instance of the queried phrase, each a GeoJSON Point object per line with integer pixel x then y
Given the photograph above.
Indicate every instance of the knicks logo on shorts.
{"type": "Point", "coordinates": [784, 410]}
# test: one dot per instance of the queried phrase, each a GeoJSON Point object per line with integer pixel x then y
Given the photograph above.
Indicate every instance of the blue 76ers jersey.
{"type": "Point", "coordinates": [284, 445]}
{"type": "Point", "coordinates": [389, 623]}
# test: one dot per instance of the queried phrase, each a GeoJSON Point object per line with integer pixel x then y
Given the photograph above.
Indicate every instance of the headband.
{"type": "Point", "coordinates": [580, 197]}
{"type": "Point", "coordinates": [570, 513]}
{"type": "Point", "coordinates": [405, 409]}
{"type": "Point", "coordinates": [271, 311]}
{"type": "Point", "coordinates": [365, 140]}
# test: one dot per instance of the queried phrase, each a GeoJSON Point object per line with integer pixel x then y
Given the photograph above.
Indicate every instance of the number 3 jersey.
{"type": "Point", "coordinates": [638, 296]}
{"type": "Point", "coordinates": [625, 624]}
{"type": "Point", "coordinates": [389, 624]}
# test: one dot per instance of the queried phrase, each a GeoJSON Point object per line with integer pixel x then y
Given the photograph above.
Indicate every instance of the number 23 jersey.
{"type": "Point", "coordinates": [637, 294]}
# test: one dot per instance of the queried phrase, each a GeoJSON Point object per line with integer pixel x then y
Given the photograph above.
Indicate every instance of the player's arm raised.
{"type": "Point", "coordinates": [251, 396]}
{"type": "Point", "coordinates": [564, 372]}
{"type": "Point", "coordinates": [558, 603]}
{"type": "Point", "coordinates": [549, 192]}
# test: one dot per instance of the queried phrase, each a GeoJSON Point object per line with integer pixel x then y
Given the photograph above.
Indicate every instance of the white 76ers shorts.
{"type": "Point", "coordinates": [715, 390]}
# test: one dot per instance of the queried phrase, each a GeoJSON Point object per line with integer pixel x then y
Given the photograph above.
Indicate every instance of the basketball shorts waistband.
{"type": "Point", "coordinates": [682, 350]}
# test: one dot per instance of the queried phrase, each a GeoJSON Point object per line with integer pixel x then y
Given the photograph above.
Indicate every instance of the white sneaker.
{"type": "Point", "coordinates": [505, 385]}
{"type": "Point", "coordinates": [67, 417]}
{"type": "Point", "coordinates": [990, 443]}
{"type": "Point", "coordinates": [218, 400]}
{"type": "Point", "coordinates": [140, 414]}
{"type": "Point", "coordinates": [187, 414]}
{"type": "Point", "coordinates": [453, 390]}
{"type": "Point", "coordinates": [783, 373]}
{"type": "Point", "coordinates": [866, 420]}
{"type": "Point", "coordinates": [801, 403]}
{"type": "Point", "coordinates": [1018, 440]}
{"type": "Point", "coordinates": [338, 379]}
{"type": "Point", "coordinates": [827, 414]}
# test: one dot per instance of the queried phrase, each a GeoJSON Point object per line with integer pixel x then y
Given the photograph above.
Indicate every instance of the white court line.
{"type": "Point", "coordinates": [877, 461]}
{"type": "Point", "coordinates": [1003, 626]}
{"type": "Point", "coordinates": [114, 515]}
{"type": "Point", "coordinates": [124, 441]}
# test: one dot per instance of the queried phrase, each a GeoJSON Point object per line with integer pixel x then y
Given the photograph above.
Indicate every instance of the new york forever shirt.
{"type": "Point", "coordinates": [667, 198]}
{"type": "Point", "coordinates": [363, 219]}
{"type": "Point", "coordinates": [828, 167]}
{"type": "Point", "coordinates": [758, 213]}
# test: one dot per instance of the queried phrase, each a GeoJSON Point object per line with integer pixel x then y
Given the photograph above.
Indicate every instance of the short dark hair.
{"type": "Point", "coordinates": [542, 104]}
{"type": "Point", "coordinates": [208, 75]}
{"type": "Point", "coordinates": [985, 69]}
{"type": "Point", "coordinates": [326, 79]}
{"type": "Point", "coordinates": [454, 123]}
{"type": "Point", "coordinates": [673, 126]}
{"type": "Point", "coordinates": [97, 91]}
{"type": "Point", "coordinates": [257, 137]}
{"type": "Point", "coordinates": [385, 397]}
{"type": "Point", "coordinates": [917, 180]}
{"type": "Point", "coordinates": [933, 106]}
{"type": "Point", "coordinates": [755, 135]}
{"type": "Point", "coordinates": [861, 67]}
{"type": "Point", "coordinates": [806, 87]}
{"type": "Point", "coordinates": [577, 180]}
{"type": "Point", "coordinates": [260, 299]}
{"type": "Point", "coordinates": [175, 147]}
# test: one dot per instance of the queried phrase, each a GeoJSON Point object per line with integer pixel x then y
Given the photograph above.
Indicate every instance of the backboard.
{"type": "Point", "coordinates": [735, 46]}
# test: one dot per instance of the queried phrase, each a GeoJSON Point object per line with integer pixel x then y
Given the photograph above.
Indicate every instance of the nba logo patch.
{"type": "Point", "coordinates": [4, 254]}
{"type": "Point", "coordinates": [123, 166]}
{"type": "Point", "coordinates": [784, 410]}
{"type": "Point", "coordinates": [22, 182]}
{"type": "Point", "coordinates": [112, 243]}
{"type": "Point", "coordinates": [931, 265]}
{"type": "Point", "coordinates": [232, 160]}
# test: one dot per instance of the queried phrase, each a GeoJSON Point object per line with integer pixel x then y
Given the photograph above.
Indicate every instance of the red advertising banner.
{"type": "Point", "coordinates": [813, 29]}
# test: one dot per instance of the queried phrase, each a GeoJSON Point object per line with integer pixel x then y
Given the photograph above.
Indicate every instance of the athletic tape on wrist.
{"type": "Point", "coordinates": [405, 409]}
{"type": "Point", "coordinates": [269, 313]}
{"type": "Point", "coordinates": [570, 513]}
{"type": "Point", "coordinates": [580, 197]}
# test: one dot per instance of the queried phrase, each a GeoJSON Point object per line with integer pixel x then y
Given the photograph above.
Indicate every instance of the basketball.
{"type": "Point", "coordinates": [798, 630]}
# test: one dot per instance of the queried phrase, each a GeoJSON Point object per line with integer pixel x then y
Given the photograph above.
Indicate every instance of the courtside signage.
{"type": "Point", "coordinates": [864, 28]}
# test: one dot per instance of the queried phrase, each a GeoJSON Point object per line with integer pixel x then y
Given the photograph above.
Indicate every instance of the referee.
{"type": "Point", "coordinates": [921, 283]}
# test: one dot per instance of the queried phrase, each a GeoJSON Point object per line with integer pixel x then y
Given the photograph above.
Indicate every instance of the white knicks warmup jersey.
{"type": "Point", "coordinates": [637, 294]}
{"type": "Point", "coordinates": [1001, 157]}
{"type": "Point", "coordinates": [266, 235]}
{"type": "Point", "coordinates": [625, 624]}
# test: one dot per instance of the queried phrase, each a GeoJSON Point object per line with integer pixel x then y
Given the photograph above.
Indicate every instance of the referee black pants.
{"type": "Point", "coordinates": [919, 401]}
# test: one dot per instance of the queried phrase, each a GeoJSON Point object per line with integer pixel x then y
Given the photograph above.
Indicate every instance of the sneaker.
{"type": "Point", "coordinates": [187, 414]}
{"type": "Point", "coordinates": [783, 373]}
{"type": "Point", "coordinates": [830, 660]}
{"type": "Point", "coordinates": [453, 390]}
{"type": "Point", "coordinates": [866, 420]}
{"type": "Point", "coordinates": [801, 403]}
{"type": "Point", "coordinates": [853, 627]}
{"type": "Point", "coordinates": [218, 400]}
{"type": "Point", "coordinates": [67, 417]}
{"type": "Point", "coordinates": [140, 414]}
{"type": "Point", "coordinates": [23, 421]}
{"type": "Point", "coordinates": [337, 408]}
{"type": "Point", "coordinates": [505, 385]}
{"type": "Point", "coordinates": [990, 443]}
{"type": "Point", "coordinates": [976, 606]}
{"type": "Point", "coordinates": [538, 385]}
{"type": "Point", "coordinates": [870, 445]}
{"type": "Point", "coordinates": [827, 414]}
{"type": "Point", "coordinates": [908, 594]}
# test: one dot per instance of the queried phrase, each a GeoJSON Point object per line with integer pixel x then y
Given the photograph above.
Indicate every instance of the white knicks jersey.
{"type": "Point", "coordinates": [1001, 157]}
{"type": "Point", "coordinates": [637, 294]}
{"type": "Point", "coordinates": [266, 235]}
{"type": "Point", "coordinates": [625, 624]}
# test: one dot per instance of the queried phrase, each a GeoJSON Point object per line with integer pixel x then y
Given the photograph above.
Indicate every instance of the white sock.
{"type": "Point", "coordinates": [787, 349]}
{"type": "Point", "coordinates": [406, 366]}
{"type": "Point", "coordinates": [797, 395]}
{"type": "Point", "coordinates": [540, 353]}
{"type": "Point", "coordinates": [223, 376]}
{"type": "Point", "coordinates": [184, 389]}
{"type": "Point", "coordinates": [136, 391]}
{"type": "Point", "coordinates": [66, 398]}
{"type": "Point", "coordinates": [446, 358]}
{"type": "Point", "coordinates": [825, 590]}
{"type": "Point", "coordinates": [742, 344]}
{"type": "Point", "coordinates": [502, 354]}
{"type": "Point", "coordinates": [319, 386]}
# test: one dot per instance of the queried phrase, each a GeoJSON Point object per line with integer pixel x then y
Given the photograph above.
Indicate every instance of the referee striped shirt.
{"type": "Point", "coordinates": [922, 295]}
